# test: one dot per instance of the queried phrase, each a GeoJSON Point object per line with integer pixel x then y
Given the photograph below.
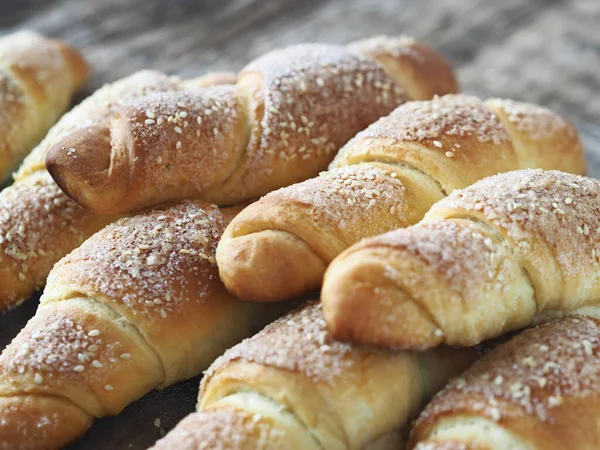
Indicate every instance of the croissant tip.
{"type": "Point", "coordinates": [80, 166]}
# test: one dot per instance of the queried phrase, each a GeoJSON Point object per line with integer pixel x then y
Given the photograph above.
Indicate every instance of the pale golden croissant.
{"type": "Point", "coordinates": [387, 177]}
{"type": "Point", "coordinates": [138, 306]}
{"type": "Point", "coordinates": [38, 76]}
{"type": "Point", "coordinates": [539, 391]}
{"type": "Point", "coordinates": [292, 387]}
{"type": "Point", "coordinates": [497, 256]}
{"type": "Point", "coordinates": [38, 223]}
{"type": "Point", "coordinates": [283, 121]}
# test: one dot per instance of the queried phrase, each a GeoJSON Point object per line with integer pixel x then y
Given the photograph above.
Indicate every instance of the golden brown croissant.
{"type": "Point", "coordinates": [38, 223]}
{"type": "Point", "coordinates": [38, 76]}
{"type": "Point", "coordinates": [385, 178]}
{"type": "Point", "coordinates": [283, 121]}
{"type": "Point", "coordinates": [292, 387]}
{"type": "Point", "coordinates": [488, 259]}
{"type": "Point", "coordinates": [138, 306]}
{"type": "Point", "coordinates": [539, 391]}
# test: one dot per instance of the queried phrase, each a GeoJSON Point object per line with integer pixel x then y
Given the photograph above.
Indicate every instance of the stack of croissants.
{"type": "Point", "coordinates": [424, 265]}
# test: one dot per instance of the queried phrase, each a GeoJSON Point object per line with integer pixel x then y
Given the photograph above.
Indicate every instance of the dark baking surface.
{"type": "Point", "coordinates": [544, 51]}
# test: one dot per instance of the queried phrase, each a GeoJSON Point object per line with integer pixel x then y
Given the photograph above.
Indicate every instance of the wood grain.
{"type": "Point", "coordinates": [544, 51]}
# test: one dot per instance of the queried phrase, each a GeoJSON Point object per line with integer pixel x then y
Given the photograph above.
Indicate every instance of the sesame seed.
{"type": "Point", "coordinates": [78, 368]}
{"type": "Point", "coordinates": [150, 114]}
{"type": "Point", "coordinates": [97, 364]}
{"type": "Point", "coordinates": [554, 400]}
{"type": "Point", "coordinates": [178, 130]}
{"type": "Point", "coordinates": [568, 200]}
{"type": "Point", "coordinates": [125, 355]}
{"type": "Point", "coordinates": [22, 276]}
{"type": "Point", "coordinates": [438, 144]}
{"type": "Point", "coordinates": [38, 378]}
{"type": "Point", "coordinates": [163, 313]}
{"type": "Point", "coordinates": [157, 422]}
{"type": "Point", "coordinates": [449, 154]}
{"type": "Point", "coordinates": [149, 121]}
{"type": "Point", "coordinates": [199, 120]}
{"type": "Point", "coordinates": [183, 114]}
{"type": "Point", "coordinates": [108, 387]}
{"type": "Point", "coordinates": [160, 121]}
{"type": "Point", "coordinates": [94, 333]}
{"type": "Point", "coordinates": [178, 145]}
{"type": "Point", "coordinates": [159, 159]}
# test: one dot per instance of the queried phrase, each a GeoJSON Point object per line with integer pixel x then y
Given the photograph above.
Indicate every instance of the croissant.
{"type": "Point", "coordinates": [387, 177]}
{"type": "Point", "coordinates": [138, 306]}
{"type": "Point", "coordinates": [507, 251]}
{"type": "Point", "coordinates": [38, 76]}
{"type": "Point", "coordinates": [38, 223]}
{"type": "Point", "coordinates": [539, 391]}
{"type": "Point", "coordinates": [292, 387]}
{"type": "Point", "coordinates": [283, 121]}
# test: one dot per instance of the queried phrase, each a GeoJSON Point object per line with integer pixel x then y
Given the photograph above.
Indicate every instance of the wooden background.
{"type": "Point", "coordinates": [544, 51]}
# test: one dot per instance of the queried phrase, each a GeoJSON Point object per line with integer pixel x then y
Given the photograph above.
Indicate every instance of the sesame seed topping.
{"type": "Point", "coordinates": [97, 364]}
{"type": "Point", "coordinates": [125, 356]}
{"type": "Point", "coordinates": [38, 378]}
{"type": "Point", "coordinates": [79, 368]}
{"type": "Point", "coordinates": [94, 333]}
{"type": "Point", "coordinates": [108, 387]}
{"type": "Point", "coordinates": [539, 369]}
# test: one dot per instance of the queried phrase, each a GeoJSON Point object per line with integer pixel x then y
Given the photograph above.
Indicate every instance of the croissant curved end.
{"type": "Point", "coordinates": [364, 304]}
{"type": "Point", "coordinates": [81, 164]}
{"type": "Point", "coordinates": [251, 266]}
